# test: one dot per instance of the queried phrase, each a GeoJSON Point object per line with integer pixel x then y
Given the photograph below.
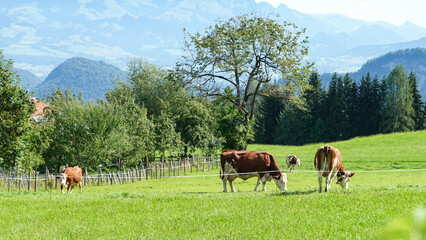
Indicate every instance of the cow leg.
{"type": "Point", "coordinates": [81, 187]}
{"type": "Point", "coordinates": [71, 187]}
{"type": "Point", "coordinates": [257, 184]}
{"type": "Point", "coordinates": [62, 189]}
{"type": "Point", "coordinates": [320, 181]}
{"type": "Point", "coordinates": [328, 182]}
{"type": "Point", "coordinates": [264, 184]}
{"type": "Point", "coordinates": [231, 183]}
{"type": "Point", "coordinates": [224, 184]}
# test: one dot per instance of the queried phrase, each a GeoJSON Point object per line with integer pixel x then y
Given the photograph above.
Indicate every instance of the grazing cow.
{"type": "Point", "coordinates": [71, 177]}
{"type": "Point", "coordinates": [247, 164]}
{"type": "Point", "coordinates": [292, 161]}
{"type": "Point", "coordinates": [328, 163]}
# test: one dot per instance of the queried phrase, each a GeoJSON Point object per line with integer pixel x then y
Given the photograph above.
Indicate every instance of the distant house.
{"type": "Point", "coordinates": [39, 112]}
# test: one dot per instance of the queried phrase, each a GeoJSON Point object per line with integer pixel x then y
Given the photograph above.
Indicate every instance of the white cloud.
{"type": "Point", "coordinates": [55, 9]}
{"type": "Point", "coordinates": [148, 47]}
{"type": "Point", "coordinates": [174, 52]}
{"type": "Point", "coordinates": [117, 28]}
{"type": "Point", "coordinates": [138, 3]}
{"type": "Point", "coordinates": [215, 8]}
{"type": "Point", "coordinates": [29, 34]}
{"type": "Point", "coordinates": [39, 70]}
{"type": "Point", "coordinates": [28, 14]}
{"type": "Point", "coordinates": [114, 10]}
{"type": "Point", "coordinates": [23, 49]}
{"type": "Point", "coordinates": [393, 11]}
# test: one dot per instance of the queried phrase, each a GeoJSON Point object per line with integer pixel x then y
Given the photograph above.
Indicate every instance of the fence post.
{"type": "Point", "coordinates": [56, 179]}
{"type": "Point", "coordinates": [8, 182]}
{"type": "Point", "coordinates": [29, 180]}
{"type": "Point", "coordinates": [20, 181]}
{"type": "Point", "coordinates": [146, 167]}
{"type": "Point", "coordinates": [47, 177]}
{"type": "Point", "coordinates": [35, 182]}
{"type": "Point", "coordinates": [170, 165]}
{"type": "Point", "coordinates": [131, 174]}
{"type": "Point", "coordinates": [137, 173]}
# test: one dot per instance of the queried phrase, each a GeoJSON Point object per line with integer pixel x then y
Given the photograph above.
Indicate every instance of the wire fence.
{"type": "Point", "coordinates": [181, 168]}
{"type": "Point", "coordinates": [35, 180]}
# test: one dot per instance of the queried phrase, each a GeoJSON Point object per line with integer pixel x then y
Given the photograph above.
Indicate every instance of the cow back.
{"type": "Point", "coordinates": [327, 158]}
{"type": "Point", "coordinates": [74, 174]}
{"type": "Point", "coordinates": [251, 161]}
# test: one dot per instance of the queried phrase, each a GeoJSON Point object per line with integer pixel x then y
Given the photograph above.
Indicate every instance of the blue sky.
{"type": "Point", "coordinates": [392, 11]}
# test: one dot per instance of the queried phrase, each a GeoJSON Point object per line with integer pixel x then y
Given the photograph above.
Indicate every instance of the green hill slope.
{"type": "Point", "coordinates": [92, 78]}
{"type": "Point", "coordinates": [379, 152]}
{"type": "Point", "coordinates": [29, 80]}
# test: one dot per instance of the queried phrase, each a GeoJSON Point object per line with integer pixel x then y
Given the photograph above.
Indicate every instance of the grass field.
{"type": "Point", "coordinates": [196, 208]}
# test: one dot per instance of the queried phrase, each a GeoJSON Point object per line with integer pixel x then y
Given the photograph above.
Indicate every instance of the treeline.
{"type": "Point", "coordinates": [344, 110]}
{"type": "Point", "coordinates": [150, 115]}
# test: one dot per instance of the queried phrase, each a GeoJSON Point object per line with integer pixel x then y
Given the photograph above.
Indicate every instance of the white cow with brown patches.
{"type": "Point", "coordinates": [292, 161]}
{"type": "Point", "coordinates": [328, 163]}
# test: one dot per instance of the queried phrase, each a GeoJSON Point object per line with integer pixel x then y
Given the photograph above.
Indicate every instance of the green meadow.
{"type": "Point", "coordinates": [380, 204]}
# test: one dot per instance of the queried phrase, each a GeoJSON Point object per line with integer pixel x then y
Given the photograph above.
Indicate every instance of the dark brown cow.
{"type": "Point", "coordinates": [292, 161]}
{"type": "Point", "coordinates": [328, 163]}
{"type": "Point", "coordinates": [71, 177]}
{"type": "Point", "coordinates": [247, 164]}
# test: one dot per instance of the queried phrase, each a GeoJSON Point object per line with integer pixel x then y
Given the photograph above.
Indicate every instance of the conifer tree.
{"type": "Point", "coordinates": [397, 106]}
{"type": "Point", "coordinates": [268, 114]}
{"type": "Point", "coordinates": [314, 97]}
{"type": "Point", "coordinates": [419, 117]}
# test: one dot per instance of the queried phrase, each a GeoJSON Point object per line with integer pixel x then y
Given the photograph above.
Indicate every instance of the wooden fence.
{"type": "Point", "coordinates": [172, 167]}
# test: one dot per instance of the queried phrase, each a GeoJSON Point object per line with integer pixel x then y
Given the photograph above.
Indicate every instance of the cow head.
{"type": "Point", "coordinates": [297, 161]}
{"type": "Point", "coordinates": [343, 179]}
{"type": "Point", "coordinates": [63, 178]}
{"type": "Point", "coordinates": [281, 181]}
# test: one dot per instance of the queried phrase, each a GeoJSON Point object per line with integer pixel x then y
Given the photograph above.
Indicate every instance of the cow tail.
{"type": "Point", "coordinates": [220, 173]}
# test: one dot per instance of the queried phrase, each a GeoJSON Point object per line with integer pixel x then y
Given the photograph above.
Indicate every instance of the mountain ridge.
{"type": "Point", "coordinates": [39, 35]}
{"type": "Point", "coordinates": [90, 77]}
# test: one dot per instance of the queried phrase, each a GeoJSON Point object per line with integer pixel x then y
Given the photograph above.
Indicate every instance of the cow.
{"type": "Point", "coordinates": [248, 164]}
{"type": "Point", "coordinates": [328, 163]}
{"type": "Point", "coordinates": [292, 161]}
{"type": "Point", "coordinates": [71, 177]}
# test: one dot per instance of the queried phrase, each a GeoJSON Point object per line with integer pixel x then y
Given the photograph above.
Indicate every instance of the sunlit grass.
{"type": "Point", "coordinates": [189, 207]}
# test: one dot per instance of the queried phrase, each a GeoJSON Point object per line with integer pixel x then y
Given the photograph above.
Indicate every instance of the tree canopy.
{"type": "Point", "coordinates": [244, 53]}
{"type": "Point", "coordinates": [15, 111]}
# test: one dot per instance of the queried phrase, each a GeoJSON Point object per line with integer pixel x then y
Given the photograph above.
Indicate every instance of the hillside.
{"type": "Point", "coordinates": [412, 59]}
{"type": "Point", "coordinates": [28, 79]}
{"type": "Point", "coordinates": [92, 78]}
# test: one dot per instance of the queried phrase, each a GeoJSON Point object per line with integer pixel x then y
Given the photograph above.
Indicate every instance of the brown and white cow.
{"type": "Point", "coordinates": [292, 161]}
{"type": "Point", "coordinates": [248, 164]}
{"type": "Point", "coordinates": [328, 163]}
{"type": "Point", "coordinates": [71, 177]}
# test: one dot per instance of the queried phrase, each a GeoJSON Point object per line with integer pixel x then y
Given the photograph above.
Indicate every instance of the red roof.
{"type": "Point", "coordinates": [39, 107]}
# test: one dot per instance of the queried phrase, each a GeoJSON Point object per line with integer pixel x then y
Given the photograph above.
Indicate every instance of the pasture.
{"type": "Point", "coordinates": [194, 207]}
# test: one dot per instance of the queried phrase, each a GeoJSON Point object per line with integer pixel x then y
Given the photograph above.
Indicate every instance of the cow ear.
{"type": "Point", "coordinates": [352, 174]}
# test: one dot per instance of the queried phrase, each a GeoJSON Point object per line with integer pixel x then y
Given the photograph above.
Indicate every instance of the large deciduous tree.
{"type": "Point", "coordinates": [244, 53]}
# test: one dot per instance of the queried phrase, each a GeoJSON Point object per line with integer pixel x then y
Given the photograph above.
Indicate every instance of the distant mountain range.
{"type": "Point", "coordinates": [411, 59]}
{"type": "Point", "coordinates": [28, 79]}
{"type": "Point", "coordinates": [39, 35]}
{"type": "Point", "coordinates": [95, 78]}
{"type": "Point", "coordinates": [92, 78]}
